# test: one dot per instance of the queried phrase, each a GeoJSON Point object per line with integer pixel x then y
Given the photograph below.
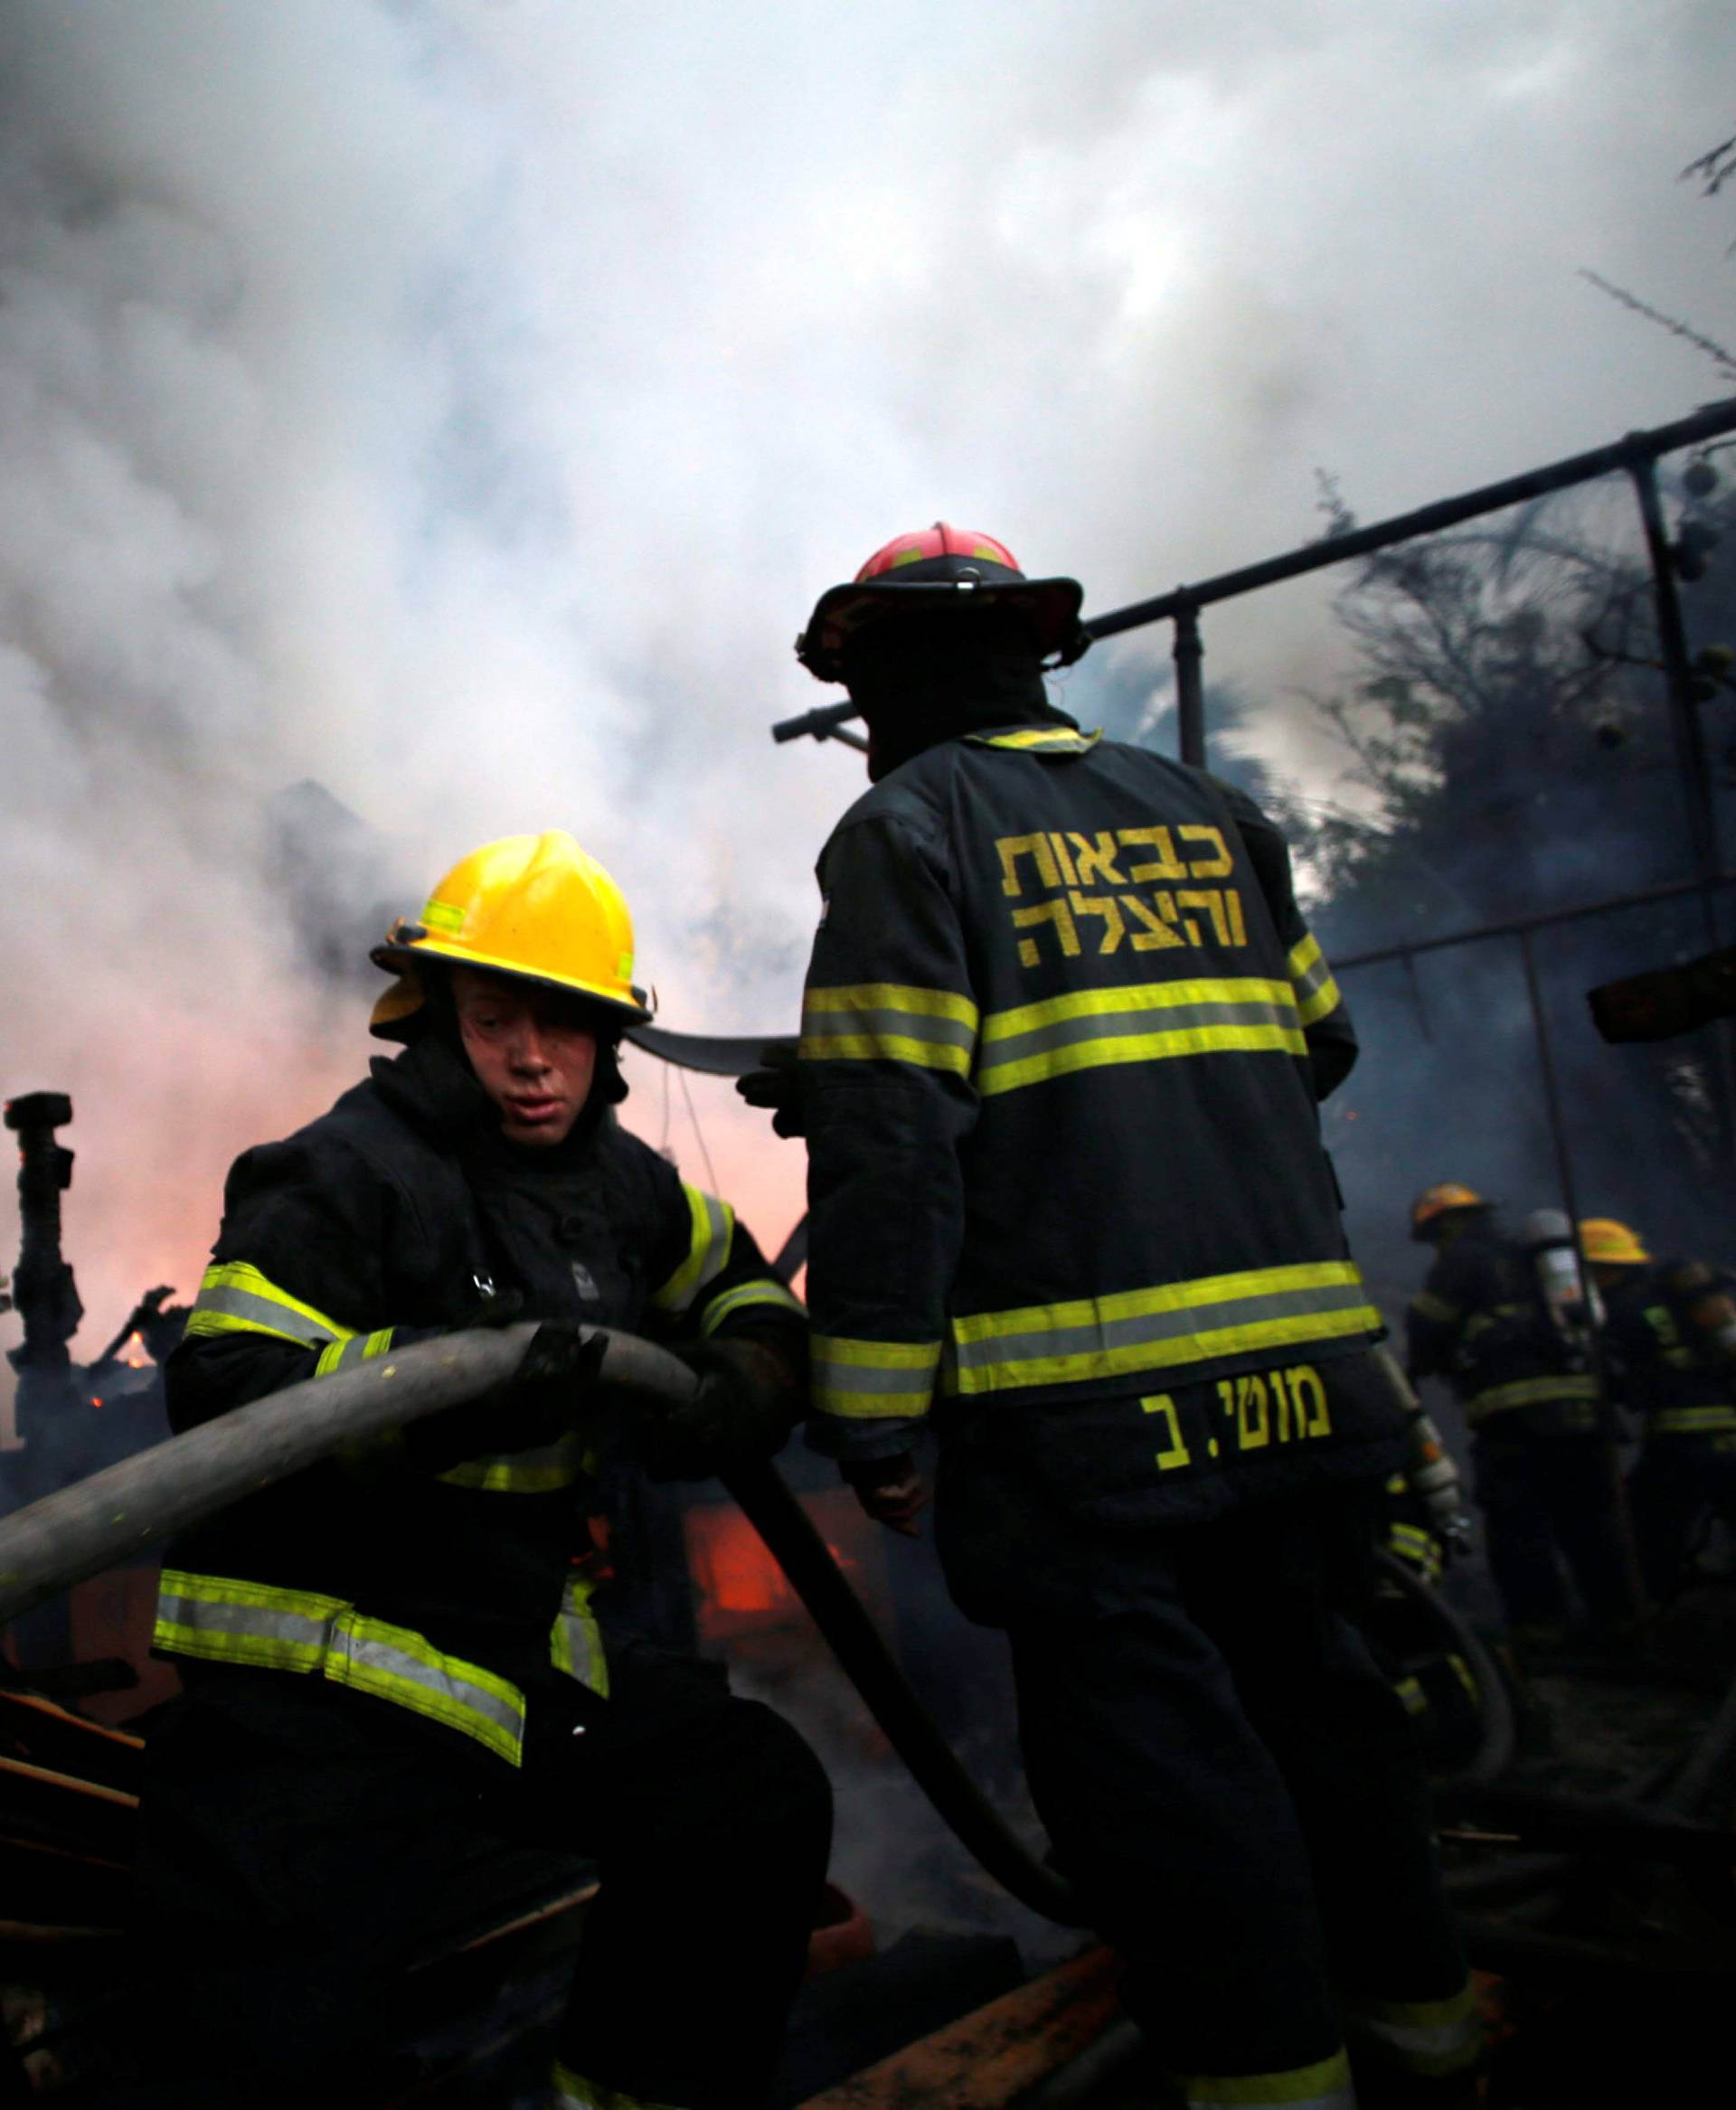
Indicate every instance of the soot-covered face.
{"type": "Point", "coordinates": [534, 1051]}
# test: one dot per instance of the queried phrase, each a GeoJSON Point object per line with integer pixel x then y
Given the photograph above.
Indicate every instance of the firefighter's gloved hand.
{"type": "Point", "coordinates": [553, 1383]}
{"type": "Point", "coordinates": [775, 1087]}
{"type": "Point", "coordinates": [746, 1403]}
{"type": "Point", "coordinates": [890, 1489]}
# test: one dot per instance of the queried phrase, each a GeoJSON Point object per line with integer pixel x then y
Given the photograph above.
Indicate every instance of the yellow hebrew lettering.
{"type": "Point", "coordinates": [1102, 905]}
{"type": "Point", "coordinates": [1212, 901]}
{"type": "Point", "coordinates": [1232, 909]}
{"type": "Point", "coordinates": [1063, 863]}
{"type": "Point", "coordinates": [1280, 1393]}
{"type": "Point", "coordinates": [1176, 1451]}
{"type": "Point", "coordinates": [1035, 847]}
{"type": "Point", "coordinates": [1055, 912]}
{"type": "Point", "coordinates": [1252, 1430]}
{"type": "Point", "coordinates": [1167, 867]}
{"type": "Point", "coordinates": [1312, 1418]}
{"type": "Point", "coordinates": [1218, 867]}
{"type": "Point", "coordinates": [1097, 860]}
{"type": "Point", "coordinates": [1155, 934]}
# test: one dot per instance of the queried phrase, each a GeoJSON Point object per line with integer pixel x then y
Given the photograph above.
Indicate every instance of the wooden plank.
{"type": "Point", "coordinates": [987, 2060]}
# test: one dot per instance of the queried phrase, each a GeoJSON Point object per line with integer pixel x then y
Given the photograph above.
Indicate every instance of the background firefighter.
{"type": "Point", "coordinates": [1061, 1039]}
{"type": "Point", "coordinates": [1670, 1337]}
{"type": "Point", "coordinates": [394, 1668]}
{"type": "Point", "coordinates": [1543, 1470]}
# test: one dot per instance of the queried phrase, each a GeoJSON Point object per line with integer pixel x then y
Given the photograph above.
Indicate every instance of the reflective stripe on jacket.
{"type": "Point", "coordinates": [431, 1565]}
{"type": "Point", "coordinates": [1056, 1061]}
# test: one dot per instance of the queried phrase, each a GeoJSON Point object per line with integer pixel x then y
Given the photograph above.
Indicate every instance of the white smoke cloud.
{"type": "Point", "coordinates": [460, 403]}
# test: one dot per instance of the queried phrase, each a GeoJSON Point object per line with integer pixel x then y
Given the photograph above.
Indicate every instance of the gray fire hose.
{"type": "Point", "coordinates": [113, 1514]}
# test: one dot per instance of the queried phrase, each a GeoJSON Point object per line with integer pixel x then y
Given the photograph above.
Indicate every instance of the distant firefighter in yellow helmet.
{"type": "Point", "coordinates": [1670, 1340]}
{"type": "Point", "coordinates": [396, 1664]}
{"type": "Point", "coordinates": [1507, 1320]}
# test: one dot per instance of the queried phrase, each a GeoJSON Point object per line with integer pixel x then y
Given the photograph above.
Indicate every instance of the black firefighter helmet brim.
{"type": "Point", "coordinates": [1052, 606]}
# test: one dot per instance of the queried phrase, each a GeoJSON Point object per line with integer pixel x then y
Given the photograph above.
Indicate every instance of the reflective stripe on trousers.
{"type": "Point", "coordinates": [1175, 1324]}
{"type": "Point", "coordinates": [1324, 2085]}
{"type": "Point", "coordinates": [226, 1619]}
{"type": "Point", "coordinates": [1432, 2038]}
{"type": "Point", "coordinates": [573, 2091]}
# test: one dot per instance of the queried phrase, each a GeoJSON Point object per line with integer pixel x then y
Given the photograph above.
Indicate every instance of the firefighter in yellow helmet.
{"type": "Point", "coordinates": [1493, 1320]}
{"type": "Point", "coordinates": [395, 1669]}
{"type": "Point", "coordinates": [1670, 1339]}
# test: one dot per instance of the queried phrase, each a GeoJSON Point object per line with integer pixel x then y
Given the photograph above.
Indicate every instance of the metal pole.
{"type": "Point", "coordinates": [1684, 712]}
{"type": "Point", "coordinates": [1571, 1201]}
{"type": "Point", "coordinates": [1190, 693]}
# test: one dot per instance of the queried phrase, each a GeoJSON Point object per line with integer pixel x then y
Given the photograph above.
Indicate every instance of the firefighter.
{"type": "Point", "coordinates": [394, 1673]}
{"type": "Point", "coordinates": [1543, 1469]}
{"type": "Point", "coordinates": [1062, 1035]}
{"type": "Point", "coordinates": [1670, 1335]}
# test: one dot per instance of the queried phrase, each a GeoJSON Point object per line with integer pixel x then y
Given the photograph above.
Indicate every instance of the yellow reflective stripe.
{"type": "Point", "coordinates": [234, 1297]}
{"type": "Point", "coordinates": [1426, 1304]}
{"type": "Point", "coordinates": [1409, 1691]}
{"type": "Point", "coordinates": [1060, 740]}
{"type": "Point", "coordinates": [1693, 1421]}
{"type": "Point", "coordinates": [227, 1619]}
{"type": "Point", "coordinates": [1174, 1324]}
{"type": "Point", "coordinates": [1316, 993]}
{"type": "Point", "coordinates": [231, 1620]}
{"type": "Point", "coordinates": [1324, 2085]}
{"type": "Point", "coordinates": [708, 1252]}
{"type": "Point", "coordinates": [748, 1296]}
{"type": "Point", "coordinates": [1093, 1027]}
{"type": "Point", "coordinates": [576, 1641]}
{"type": "Point", "coordinates": [542, 1471]}
{"type": "Point", "coordinates": [866, 1378]}
{"type": "Point", "coordinates": [573, 2091]}
{"type": "Point", "coordinates": [888, 1021]}
{"type": "Point", "coordinates": [1428, 2037]}
{"type": "Point", "coordinates": [1410, 1542]}
{"type": "Point", "coordinates": [346, 1355]}
{"type": "Point", "coordinates": [1529, 1393]}
{"type": "Point", "coordinates": [397, 1664]}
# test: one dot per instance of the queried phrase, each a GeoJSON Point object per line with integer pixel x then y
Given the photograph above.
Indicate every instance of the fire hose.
{"type": "Point", "coordinates": [115, 1513]}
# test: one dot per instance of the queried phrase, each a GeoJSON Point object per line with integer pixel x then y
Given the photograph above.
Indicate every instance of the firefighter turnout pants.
{"type": "Point", "coordinates": [1547, 1499]}
{"type": "Point", "coordinates": [302, 1845]}
{"type": "Point", "coordinates": [1238, 1792]}
{"type": "Point", "coordinates": [1679, 1482]}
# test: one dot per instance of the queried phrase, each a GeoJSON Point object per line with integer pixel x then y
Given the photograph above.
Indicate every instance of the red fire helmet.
{"type": "Point", "coordinates": [942, 567]}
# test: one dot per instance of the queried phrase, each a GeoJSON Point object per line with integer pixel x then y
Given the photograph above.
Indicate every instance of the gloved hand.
{"type": "Point", "coordinates": [775, 1085]}
{"type": "Point", "coordinates": [559, 1372]}
{"type": "Point", "coordinates": [890, 1489]}
{"type": "Point", "coordinates": [746, 1404]}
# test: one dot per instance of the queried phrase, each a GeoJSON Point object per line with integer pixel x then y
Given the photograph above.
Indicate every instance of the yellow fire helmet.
{"type": "Point", "coordinates": [1437, 1200]}
{"type": "Point", "coordinates": [536, 908]}
{"type": "Point", "coordinates": [1608, 1244]}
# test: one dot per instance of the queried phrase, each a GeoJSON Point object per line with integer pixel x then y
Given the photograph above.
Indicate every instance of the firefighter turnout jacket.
{"type": "Point", "coordinates": [1478, 1322]}
{"type": "Point", "coordinates": [1669, 1339]}
{"type": "Point", "coordinates": [1061, 1039]}
{"type": "Point", "coordinates": [436, 1570]}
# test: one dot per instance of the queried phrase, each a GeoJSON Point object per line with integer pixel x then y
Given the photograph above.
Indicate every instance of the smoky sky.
{"type": "Point", "coordinates": [460, 405]}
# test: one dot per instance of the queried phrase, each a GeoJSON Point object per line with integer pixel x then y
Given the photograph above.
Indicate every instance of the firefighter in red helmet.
{"type": "Point", "coordinates": [1064, 1034]}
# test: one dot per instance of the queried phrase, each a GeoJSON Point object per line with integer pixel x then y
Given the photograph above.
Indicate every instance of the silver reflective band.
{"type": "Point", "coordinates": [1144, 1025]}
{"type": "Point", "coordinates": [259, 1315]}
{"type": "Point", "coordinates": [1112, 1337]}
